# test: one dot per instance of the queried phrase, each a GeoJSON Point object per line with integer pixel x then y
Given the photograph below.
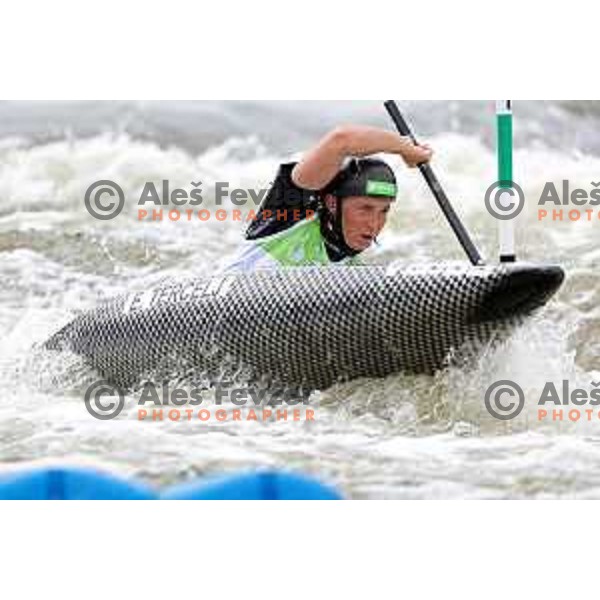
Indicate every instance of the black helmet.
{"type": "Point", "coordinates": [364, 177]}
{"type": "Point", "coordinates": [360, 177]}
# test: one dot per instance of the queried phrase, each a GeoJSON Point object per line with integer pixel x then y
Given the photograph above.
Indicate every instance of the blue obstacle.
{"type": "Point", "coordinates": [84, 483]}
{"type": "Point", "coordinates": [265, 485]}
{"type": "Point", "coordinates": [70, 483]}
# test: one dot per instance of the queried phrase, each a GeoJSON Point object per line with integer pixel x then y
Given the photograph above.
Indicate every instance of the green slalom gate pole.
{"type": "Point", "coordinates": [504, 140]}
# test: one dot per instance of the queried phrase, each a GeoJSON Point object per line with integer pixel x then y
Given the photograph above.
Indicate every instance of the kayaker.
{"type": "Point", "coordinates": [339, 196]}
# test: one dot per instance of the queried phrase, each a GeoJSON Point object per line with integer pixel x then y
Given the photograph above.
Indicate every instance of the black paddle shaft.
{"type": "Point", "coordinates": [436, 189]}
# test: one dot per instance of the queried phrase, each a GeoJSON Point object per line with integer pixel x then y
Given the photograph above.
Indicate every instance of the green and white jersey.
{"type": "Point", "coordinates": [300, 245]}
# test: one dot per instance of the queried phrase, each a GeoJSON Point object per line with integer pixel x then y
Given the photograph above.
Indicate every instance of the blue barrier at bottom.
{"type": "Point", "coordinates": [82, 483]}
{"type": "Point", "coordinates": [265, 485]}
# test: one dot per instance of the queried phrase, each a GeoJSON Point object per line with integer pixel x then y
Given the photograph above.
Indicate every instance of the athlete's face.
{"type": "Point", "coordinates": [363, 218]}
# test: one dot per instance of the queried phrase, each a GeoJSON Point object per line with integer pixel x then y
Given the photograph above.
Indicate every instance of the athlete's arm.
{"type": "Point", "coordinates": [322, 163]}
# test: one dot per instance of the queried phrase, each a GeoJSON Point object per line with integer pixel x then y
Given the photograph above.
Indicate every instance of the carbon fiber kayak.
{"type": "Point", "coordinates": [307, 326]}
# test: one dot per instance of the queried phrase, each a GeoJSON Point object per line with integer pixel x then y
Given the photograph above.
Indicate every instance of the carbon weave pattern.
{"type": "Point", "coordinates": [304, 326]}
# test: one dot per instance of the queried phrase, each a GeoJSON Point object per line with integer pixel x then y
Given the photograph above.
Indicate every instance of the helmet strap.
{"type": "Point", "coordinates": [332, 230]}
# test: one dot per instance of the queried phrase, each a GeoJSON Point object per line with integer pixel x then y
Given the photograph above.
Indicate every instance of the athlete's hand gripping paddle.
{"type": "Point", "coordinates": [436, 188]}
